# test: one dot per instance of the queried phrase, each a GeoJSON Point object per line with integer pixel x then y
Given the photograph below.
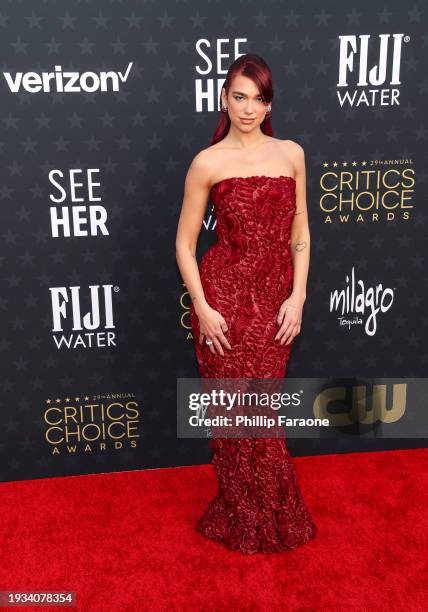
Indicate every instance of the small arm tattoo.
{"type": "Point", "coordinates": [299, 246]}
{"type": "Point", "coordinates": [299, 213]}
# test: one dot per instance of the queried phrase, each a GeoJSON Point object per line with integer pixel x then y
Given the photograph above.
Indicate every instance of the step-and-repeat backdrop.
{"type": "Point", "coordinates": [104, 105]}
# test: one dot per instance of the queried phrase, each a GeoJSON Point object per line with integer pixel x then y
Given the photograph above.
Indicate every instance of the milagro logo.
{"type": "Point", "coordinates": [364, 83]}
{"type": "Point", "coordinates": [66, 82]}
{"type": "Point", "coordinates": [364, 303]}
{"type": "Point", "coordinates": [87, 331]}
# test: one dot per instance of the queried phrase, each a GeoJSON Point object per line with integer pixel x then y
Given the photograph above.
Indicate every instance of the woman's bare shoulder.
{"type": "Point", "coordinates": [207, 155]}
{"type": "Point", "coordinates": [292, 147]}
{"type": "Point", "coordinates": [206, 160]}
{"type": "Point", "coordinates": [202, 165]}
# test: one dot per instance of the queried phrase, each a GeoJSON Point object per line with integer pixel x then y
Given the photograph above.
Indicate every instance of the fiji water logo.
{"type": "Point", "coordinates": [369, 70]}
{"type": "Point", "coordinates": [66, 81]}
{"type": "Point", "coordinates": [365, 303]}
{"type": "Point", "coordinates": [72, 327]}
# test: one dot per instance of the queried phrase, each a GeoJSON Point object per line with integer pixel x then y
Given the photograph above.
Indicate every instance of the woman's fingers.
{"type": "Point", "coordinates": [224, 329]}
{"type": "Point", "coordinates": [292, 333]}
{"type": "Point", "coordinates": [218, 338]}
{"type": "Point", "coordinates": [214, 341]}
{"type": "Point", "coordinates": [222, 338]}
{"type": "Point", "coordinates": [286, 325]}
{"type": "Point", "coordinates": [209, 342]}
{"type": "Point", "coordinates": [286, 339]}
{"type": "Point", "coordinates": [218, 346]}
{"type": "Point", "coordinates": [214, 345]}
{"type": "Point", "coordinates": [296, 332]}
{"type": "Point", "coordinates": [287, 331]}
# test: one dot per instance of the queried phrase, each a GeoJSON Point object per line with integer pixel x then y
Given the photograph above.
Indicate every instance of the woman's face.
{"type": "Point", "coordinates": [244, 103]}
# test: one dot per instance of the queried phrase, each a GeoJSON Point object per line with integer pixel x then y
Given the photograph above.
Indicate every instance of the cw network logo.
{"type": "Point", "coordinates": [66, 82]}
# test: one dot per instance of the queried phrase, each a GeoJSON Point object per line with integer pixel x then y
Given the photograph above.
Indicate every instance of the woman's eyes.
{"type": "Point", "coordinates": [242, 97]}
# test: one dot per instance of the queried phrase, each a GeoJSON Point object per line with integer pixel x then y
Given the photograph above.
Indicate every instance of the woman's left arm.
{"type": "Point", "coordinates": [300, 237]}
{"type": "Point", "coordinates": [291, 310]}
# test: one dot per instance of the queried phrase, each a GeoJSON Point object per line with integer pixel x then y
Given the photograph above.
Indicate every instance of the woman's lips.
{"type": "Point", "coordinates": [246, 120]}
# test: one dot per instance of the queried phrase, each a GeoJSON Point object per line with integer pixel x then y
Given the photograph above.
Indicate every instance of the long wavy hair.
{"type": "Point", "coordinates": [254, 67]}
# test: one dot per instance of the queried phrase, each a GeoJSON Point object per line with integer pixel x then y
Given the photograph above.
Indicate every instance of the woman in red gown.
{"type": "Point", "coordinates": [247, 301]}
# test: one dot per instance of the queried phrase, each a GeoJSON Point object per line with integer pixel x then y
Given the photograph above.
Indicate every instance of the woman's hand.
{"type": "Point", "coordinates": [289, 318]}
{"type": "Point", "coordinates": [212, 326]}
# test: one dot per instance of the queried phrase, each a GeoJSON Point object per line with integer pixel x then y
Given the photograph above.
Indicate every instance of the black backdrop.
{"type": "Point", "coordinates": [104, 146]}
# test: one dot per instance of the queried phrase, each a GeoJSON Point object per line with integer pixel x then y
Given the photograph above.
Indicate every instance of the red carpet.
{"type": "Point", "coordinates": [126, 541]}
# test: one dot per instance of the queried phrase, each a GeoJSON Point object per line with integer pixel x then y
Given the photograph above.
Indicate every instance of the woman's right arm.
{"type": "Point", "coordinates": [195, 200]}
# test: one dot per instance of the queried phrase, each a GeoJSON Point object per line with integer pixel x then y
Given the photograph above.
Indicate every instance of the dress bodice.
{"type": "Point", "coordinates": [254, 213]}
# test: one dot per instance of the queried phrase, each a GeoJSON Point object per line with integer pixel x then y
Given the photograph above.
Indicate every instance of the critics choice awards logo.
{"type": "Point", "coordinates": [367, 191]}
{"type": "Point", "coordinates": [87, 423]}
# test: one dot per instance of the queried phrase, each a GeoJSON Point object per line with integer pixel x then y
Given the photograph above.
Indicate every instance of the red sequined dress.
{"type": "Point", "coordinates": [246, 275]}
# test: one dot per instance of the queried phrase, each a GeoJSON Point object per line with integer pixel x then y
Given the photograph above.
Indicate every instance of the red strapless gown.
{"type": "Point", "coordinates": [246, 275]}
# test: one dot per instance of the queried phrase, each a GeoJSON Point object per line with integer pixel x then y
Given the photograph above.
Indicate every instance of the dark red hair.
{"type": "Point", "coordinates": [254, 67]}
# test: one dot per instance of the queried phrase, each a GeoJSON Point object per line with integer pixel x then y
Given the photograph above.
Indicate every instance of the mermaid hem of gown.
{"type": "Point", "coordinates": [259, 506]}
{"type": "Point", "coordinates": [244, 536]}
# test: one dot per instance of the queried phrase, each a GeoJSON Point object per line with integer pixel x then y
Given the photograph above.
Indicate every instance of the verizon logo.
{"type": "Point", "coordinates": [66, 82]}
